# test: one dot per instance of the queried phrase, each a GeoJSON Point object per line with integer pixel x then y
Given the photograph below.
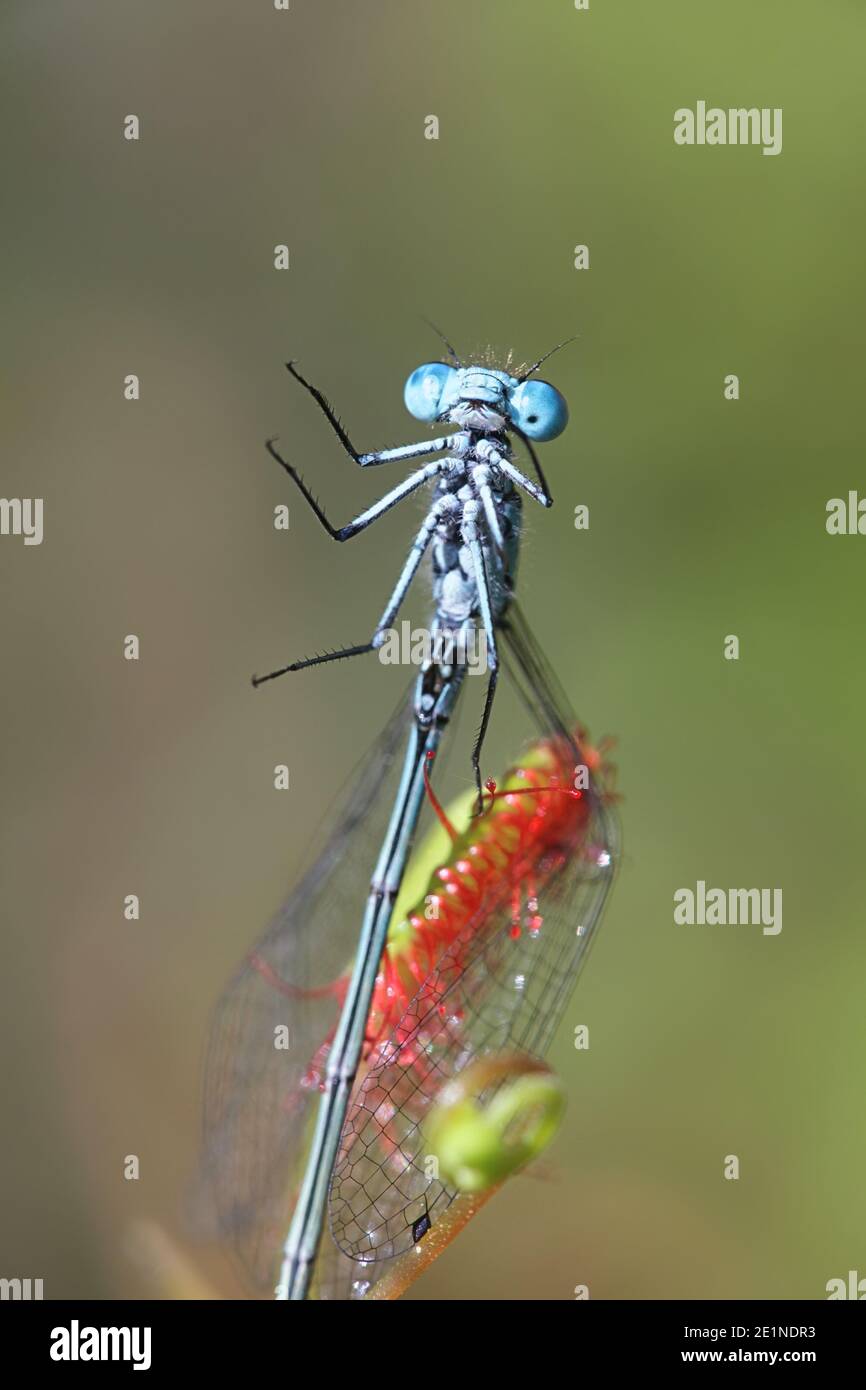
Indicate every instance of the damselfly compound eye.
{"type": "Point", "coordinates": [538, 410]}
{"type": "Point", "coordinates": [425, 389]}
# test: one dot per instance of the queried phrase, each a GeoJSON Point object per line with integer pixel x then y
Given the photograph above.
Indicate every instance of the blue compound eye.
{"type": "Point", "coordinates": [538, 409]}
{"type": "Point", "coordinates": [425, 389]}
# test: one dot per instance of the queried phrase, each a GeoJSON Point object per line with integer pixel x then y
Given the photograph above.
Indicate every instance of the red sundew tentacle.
{"type": "Point", "coordinates": [531, 890]}
{"type": "Point", "coordinates": [393, 986]}
{"type": "Point", "coordinates": [536, 921]}
{"type": "Point", "coordinates": [269, 974]}
{"type": "Point", "coordinates": [483, 863]}
{"type": "Point", "coordinates": [313, 1077]}
{"type": "Point", "coordinates": [516, 907]}
{"type": "Point", "coordinates": [434, 800]}
{"type": "Point", "coordinates": [516, 904]}
{"type": "Point", "coordinates": [520, 827]}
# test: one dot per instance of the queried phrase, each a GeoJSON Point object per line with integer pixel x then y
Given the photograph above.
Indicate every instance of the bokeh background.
{"type": "Point", "coordinates": [707, 518]}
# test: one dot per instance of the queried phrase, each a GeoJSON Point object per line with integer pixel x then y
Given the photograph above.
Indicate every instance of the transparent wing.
{"type": "Point", "coordinates": [259, 1095]}
{"type": "Point", "coordinates": [490, 992]}
{"type": "Point", "coordinates": [275, 1015]}
{"type": "Point", "coordinates": [534, 678]}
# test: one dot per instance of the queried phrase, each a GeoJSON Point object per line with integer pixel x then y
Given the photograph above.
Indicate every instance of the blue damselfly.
{"type": "Point", "coordinates": [489, 985]}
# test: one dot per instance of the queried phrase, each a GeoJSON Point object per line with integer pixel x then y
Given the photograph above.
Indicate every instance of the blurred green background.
{"type": "Point", "coordinates": [707, 518]}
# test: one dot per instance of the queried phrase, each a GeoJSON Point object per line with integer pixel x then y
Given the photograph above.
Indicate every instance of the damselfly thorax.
{"type": "Point", "coordinates": [458, 502]}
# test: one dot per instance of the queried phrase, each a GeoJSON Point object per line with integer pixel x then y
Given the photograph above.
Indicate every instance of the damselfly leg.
{"type": "Point", "coordinates": [405, 451]}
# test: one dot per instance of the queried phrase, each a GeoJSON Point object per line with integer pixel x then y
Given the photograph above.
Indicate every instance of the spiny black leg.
{"type": "Point", "coordinates": [384, 504]}
{"type": "Point", "coordinates": [333, 531]}
{"type": "Point", "coordinates": [476, 751]}
{"type": "Point", "coordinates": [328, 411]}
{"type": "Point", "coordinates": [535, 463]}
{"type": "Point", "coordinates": [470, 536]}
{"type": "Point", "coordinates": [306, 661]}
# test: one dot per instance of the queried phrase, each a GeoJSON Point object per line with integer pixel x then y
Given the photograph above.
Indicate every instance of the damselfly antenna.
{"type": "Point", "coordinates": [439, 334]}
{"type": "Point", "coordinates": [534, 368]}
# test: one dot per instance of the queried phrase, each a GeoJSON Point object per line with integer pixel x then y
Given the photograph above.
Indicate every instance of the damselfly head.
{"type": "Point", "coordinates": [485, 399]}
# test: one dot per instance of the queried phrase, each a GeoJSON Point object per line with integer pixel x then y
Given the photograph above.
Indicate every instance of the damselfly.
{"type": "Point", "coordinates": [256, 1093]}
